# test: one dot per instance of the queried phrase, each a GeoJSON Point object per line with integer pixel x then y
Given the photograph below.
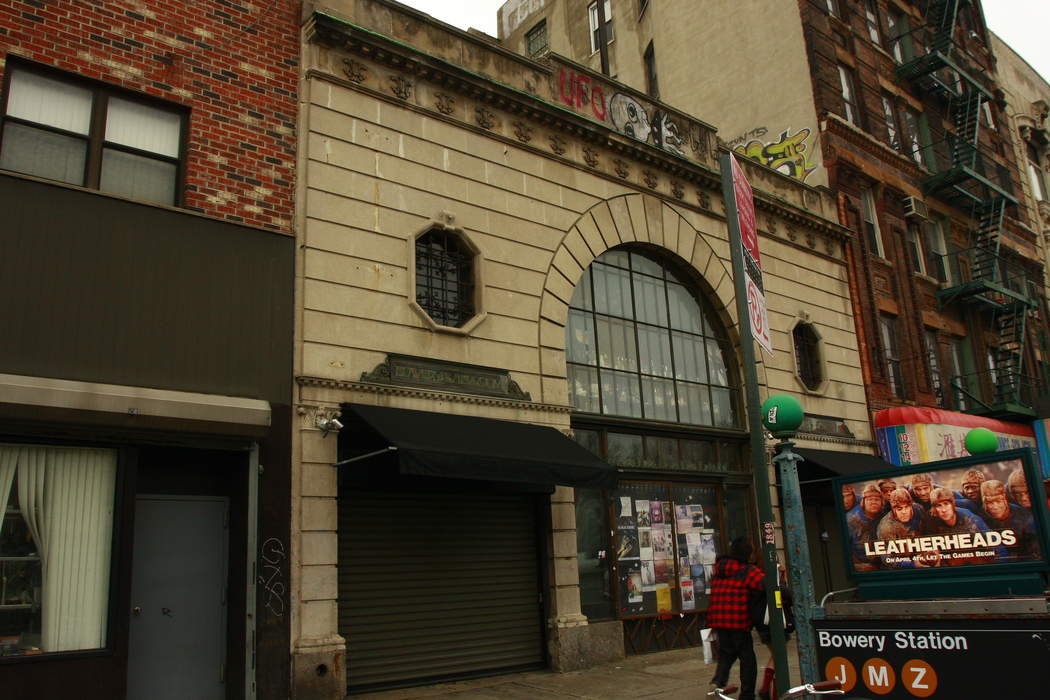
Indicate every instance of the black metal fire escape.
{"type": "Point", "coordinates": [964, 178]}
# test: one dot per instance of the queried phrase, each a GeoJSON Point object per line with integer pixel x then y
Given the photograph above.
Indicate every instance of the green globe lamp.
{"type": "Point", "coordinates": [981, 441]}
{"type": "Point", "coordinates": [782, 415]}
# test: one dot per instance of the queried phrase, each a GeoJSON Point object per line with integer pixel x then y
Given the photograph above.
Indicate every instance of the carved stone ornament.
{"type": "Point", "coordinates": [354, 71]}
{"type": "Point", "coordinates": [590, 156]}
{"type": "Point", "coordinates": [698, 142]}
{"type": "Point", "coordinates": [792, 233]}
{"type": "Point", "coordinates": [621, 168]}
{"type": "Point", "coordinates": [811, 240]}
{"type": "Point", "coordinates": [445, 103]}
{"type": "Point", "coordinates": [400, 86]}
{"type": "Point", "coordinates": [523, 131]}
{"type": "Point", "coordinates": [557, 144]}
{"type": "Point", "coordinates": [676, 189]}
{"type": "Point", "coordinates": [704, 198]}
{"type": "Point", "coordinates": [439, 375]}
{"type": "Point", "coordinates": [485, 118]}
{"type": "Point", "coordinates": [650, 179]}
{"type": "Point", "coordinates": [771, 225]}
{"type": "Point", "coordinates": [830, 246]}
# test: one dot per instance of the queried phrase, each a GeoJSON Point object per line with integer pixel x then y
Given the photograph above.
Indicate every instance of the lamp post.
{"type": "Point", "coordinates": [782, 415]}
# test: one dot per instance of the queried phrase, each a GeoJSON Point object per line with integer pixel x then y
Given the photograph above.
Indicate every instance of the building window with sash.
{"type": "Point", "coordinates": [850, 103]}
{"type": "Point", "coordinates": [891, 355]}
{"type": "Point", "coordinates": [933, 366]}
{"type": "Point", "coordinates": [592, 18]}
{"type": "Point", "coordinates": [536, 41]}
{"type": "Point", "coordinates": [870, 218]}
{"type": "Point", "coordinates": [91, 134]}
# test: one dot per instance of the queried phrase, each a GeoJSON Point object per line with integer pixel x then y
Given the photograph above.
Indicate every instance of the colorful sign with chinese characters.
{"type": "Point", "coordinates": [910, 435]}
{"type": "Point", "coordinates": [1042, 440]}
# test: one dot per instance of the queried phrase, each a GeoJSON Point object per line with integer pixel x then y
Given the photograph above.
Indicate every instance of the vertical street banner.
{"type": "Point", "coordinates": [748, 230]}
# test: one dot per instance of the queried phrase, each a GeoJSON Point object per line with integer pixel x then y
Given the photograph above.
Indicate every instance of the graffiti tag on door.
{"type": "Point", "coordinates": [272, 555]}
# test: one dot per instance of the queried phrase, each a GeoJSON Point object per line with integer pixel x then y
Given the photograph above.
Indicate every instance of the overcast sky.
{"type": "Point", "coordinates": [1023, 24]}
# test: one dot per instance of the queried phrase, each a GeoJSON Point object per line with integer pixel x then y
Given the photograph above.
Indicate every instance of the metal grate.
{"type": "Point", "coordinates": [445, 277]}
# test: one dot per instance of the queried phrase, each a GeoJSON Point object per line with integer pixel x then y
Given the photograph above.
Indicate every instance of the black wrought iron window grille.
{"type": "Point", "coordinates": [807, 356]}
{"type": "Point", "coordinates": [445, 277]}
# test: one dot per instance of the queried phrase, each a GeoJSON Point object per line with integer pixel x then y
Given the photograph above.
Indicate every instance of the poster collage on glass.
{"type": "Point", "coordinates": [650, 533]}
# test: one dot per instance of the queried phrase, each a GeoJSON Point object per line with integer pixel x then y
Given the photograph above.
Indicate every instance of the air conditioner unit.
{"type": "Point", "coordinates": [915, 208]}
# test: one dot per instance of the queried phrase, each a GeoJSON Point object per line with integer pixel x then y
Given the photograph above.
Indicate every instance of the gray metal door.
{"type": "Point", "coordinates": [178, 602]}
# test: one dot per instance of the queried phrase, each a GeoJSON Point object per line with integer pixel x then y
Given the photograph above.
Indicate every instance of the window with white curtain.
{"type": "Point", "coordinates": [55, 547]}
{"type": "Point", "coordinates": [90, 135]}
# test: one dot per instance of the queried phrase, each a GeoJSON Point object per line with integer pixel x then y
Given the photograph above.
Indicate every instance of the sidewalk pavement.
{"type": "Point", "coordinates": [681, 674]}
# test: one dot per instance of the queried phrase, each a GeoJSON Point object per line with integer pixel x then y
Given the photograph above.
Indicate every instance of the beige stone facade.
{"type": "Point", "coordinates": [406, 125]}
{"type": "Point", "coordinates": [1028, 110]}
{"type": "Point", "coordinates": [739, 65]}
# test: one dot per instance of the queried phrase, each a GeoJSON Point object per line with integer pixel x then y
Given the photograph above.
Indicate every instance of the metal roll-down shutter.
{"type": "Point", "coordinates": [437, 585]}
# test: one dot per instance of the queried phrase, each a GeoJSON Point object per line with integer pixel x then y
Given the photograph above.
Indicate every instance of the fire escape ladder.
{"type": "Point", "coordinates": [989, 217]}
{"type": "Point", "coordinates": [1010, 327]}
{"type": "Point", "coordinates": [966, 117]}
{"type": "Point", "coordinates": [940, 17]}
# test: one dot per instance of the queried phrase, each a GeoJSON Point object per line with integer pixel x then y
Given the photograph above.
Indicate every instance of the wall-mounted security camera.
{"type": "Point", "coordinates": [328, 425]}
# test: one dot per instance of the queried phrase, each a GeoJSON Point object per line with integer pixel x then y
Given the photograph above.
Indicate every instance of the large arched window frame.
{"type": "Point", "coordinates": [655, 390]}
{"type": "Point", "coordinates": [642, 344]}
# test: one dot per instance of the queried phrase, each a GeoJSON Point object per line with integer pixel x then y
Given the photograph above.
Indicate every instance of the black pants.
{"type": "Point", "coordinates": [733, 645]}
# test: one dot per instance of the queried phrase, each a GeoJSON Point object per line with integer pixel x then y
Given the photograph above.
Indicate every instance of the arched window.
{"type": "Point", "coordinates": [642, 344]}
{"type": "Point", "coordinates": [655, 393]}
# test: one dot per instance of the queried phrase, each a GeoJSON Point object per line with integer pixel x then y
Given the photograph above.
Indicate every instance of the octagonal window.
{"type": "Point", "coordinates": [445, 277]}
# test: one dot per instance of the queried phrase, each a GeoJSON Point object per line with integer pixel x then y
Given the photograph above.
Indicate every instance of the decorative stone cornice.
{"type": "Point", "coordinates": [350, 387]}
{"type": "Point", "coordinates": [834, 124]}
{"type": "Point", "coordinates": [686, 154]}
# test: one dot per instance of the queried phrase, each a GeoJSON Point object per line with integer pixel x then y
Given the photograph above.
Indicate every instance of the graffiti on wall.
{"type": "Point", "coordinates": [789, 154]}
{"type": "Point", "coordinates": [622, 111]}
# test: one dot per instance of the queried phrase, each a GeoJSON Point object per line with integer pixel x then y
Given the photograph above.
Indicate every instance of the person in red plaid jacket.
{"type": "Point", "coordinates": [734, 582]}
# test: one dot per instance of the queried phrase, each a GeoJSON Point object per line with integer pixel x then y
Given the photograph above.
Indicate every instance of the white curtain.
{"type": "Point", "coordinates": [7, 476]}
{"type": "Point", "coordinates": [66, 498]}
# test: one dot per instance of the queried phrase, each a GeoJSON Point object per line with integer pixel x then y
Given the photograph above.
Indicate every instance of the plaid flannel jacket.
{"type": "Point", "coordinates": [731, 586]}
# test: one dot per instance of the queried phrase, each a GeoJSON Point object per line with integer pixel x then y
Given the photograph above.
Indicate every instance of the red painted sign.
{"type": "Point", "coordinates": [577, 91]}
{"type": "Point", "coordinates": [756, 299]}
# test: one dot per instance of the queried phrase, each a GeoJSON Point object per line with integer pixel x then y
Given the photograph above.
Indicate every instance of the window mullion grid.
{"type": "Point", "coordinates": [593, 311]}
{"type": "Point", "coordinates": [634, 323]}
{"type": "Point", "coordinates": [96, 140]}
{"type": "Point", "coordinates": [670, 346]}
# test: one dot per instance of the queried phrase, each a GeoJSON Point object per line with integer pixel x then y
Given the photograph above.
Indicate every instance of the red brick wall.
{"type": "Point", "coordinates": [234, 63]}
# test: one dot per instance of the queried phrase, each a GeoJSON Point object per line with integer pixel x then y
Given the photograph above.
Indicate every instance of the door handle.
{"type": "Point", "coordinates": [136, 611]}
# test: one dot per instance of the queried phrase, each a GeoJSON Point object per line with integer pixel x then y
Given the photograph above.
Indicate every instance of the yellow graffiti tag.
{"type": "Point", "coordinates": [788, 155]}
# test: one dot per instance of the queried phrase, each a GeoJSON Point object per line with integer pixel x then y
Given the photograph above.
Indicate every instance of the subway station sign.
{"type": "Point", "coordinates": [946, 659]}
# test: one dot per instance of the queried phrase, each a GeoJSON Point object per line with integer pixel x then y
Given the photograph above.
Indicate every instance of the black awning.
{"type": "Point", "coordinates": [823, 465]}
{"type": "Point", "coordinates": [424, 443]}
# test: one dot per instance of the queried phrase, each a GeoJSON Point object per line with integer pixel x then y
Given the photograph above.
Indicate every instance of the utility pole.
{"type": "Point", "coordinates": [759, 464]}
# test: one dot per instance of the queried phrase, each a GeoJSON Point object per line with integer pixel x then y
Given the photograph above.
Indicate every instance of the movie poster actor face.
{"type": "Point", "coordinates": [944, 507]}
{"type": "Point", "coordinates": [872, 502]}
{"type": "Point", "coordinates": [921, 488]}
{"type": "Point", "coordinates": [971, 485]}
{"type": "Point", "coordinates": [1019, 489]}
{"type": "Point", "coordinates": [993, 497]}
{"type": "Point", "coordinates": [849, 498]}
